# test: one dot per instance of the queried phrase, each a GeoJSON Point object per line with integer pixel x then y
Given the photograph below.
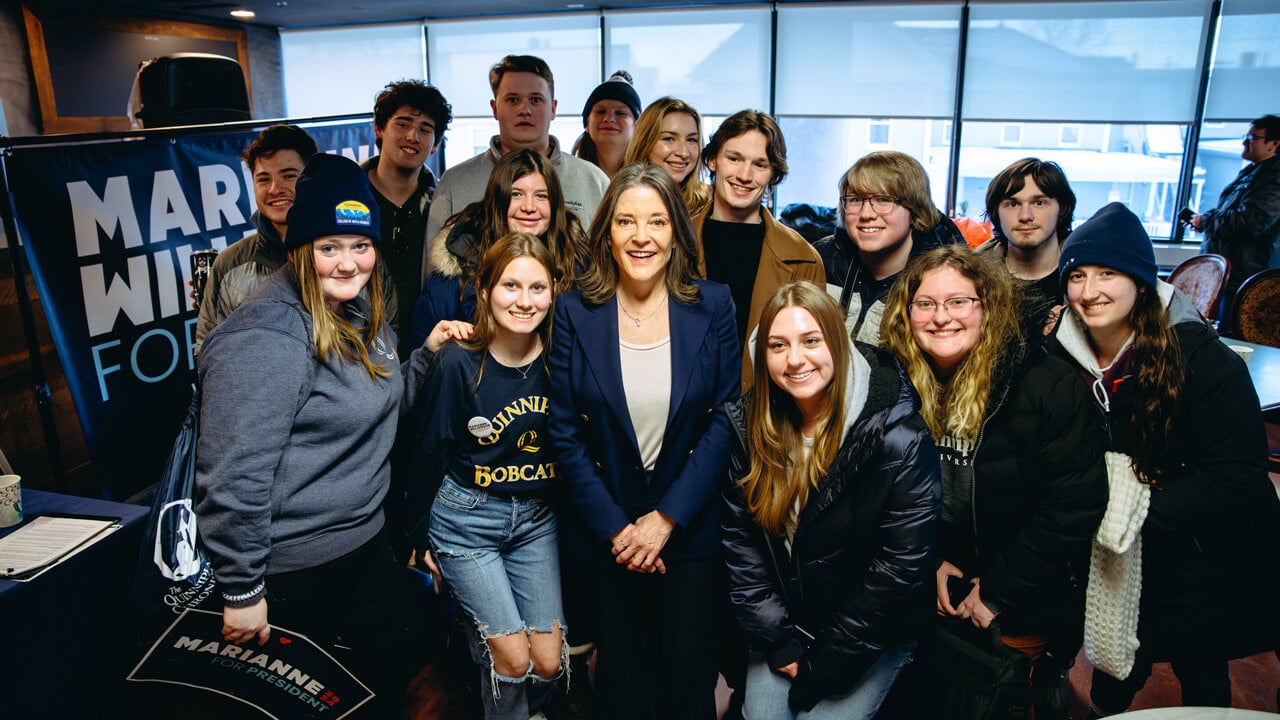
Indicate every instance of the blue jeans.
{"type": "Point", "coordinates": [766, 696]}
{"type": "Point", "coordinates": [499, 557]}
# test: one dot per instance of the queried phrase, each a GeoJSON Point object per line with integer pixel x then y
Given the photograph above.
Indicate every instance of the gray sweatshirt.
{"type": "Point", "coordinates": [583, 184]}
{"type": "Point", "coordinates": [292, 463]}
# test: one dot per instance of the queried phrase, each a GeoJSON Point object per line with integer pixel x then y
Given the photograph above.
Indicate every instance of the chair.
{"type": "Point", "coordinates": [1201, 278]}
{"type": "Point", "coordinates": [1255, 314]}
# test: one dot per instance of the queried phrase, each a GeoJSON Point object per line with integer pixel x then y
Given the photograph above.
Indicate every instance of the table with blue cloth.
{"type": "Point", "coordinates": [67, 637]}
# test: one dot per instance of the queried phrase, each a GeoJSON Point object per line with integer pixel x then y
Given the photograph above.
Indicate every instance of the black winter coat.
{"type": "Point", "coordinates": [1039, 492]}
{"type": "Point", "coordinates": [859, 578]}
{"type": "Point", "coordinates": [1209, 548]}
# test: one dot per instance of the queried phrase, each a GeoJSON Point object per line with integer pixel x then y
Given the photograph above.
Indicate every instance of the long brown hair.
{"type": "Point", "coordinates": [600, 281]}
{"type": "Point", "coordinates": [959, 406]}
{"type": "Point", "coordinates": [1158, 378]}
{"type": "Point", "coordinates": [333, 333]}
{"type": "Point", "coordinates": [564, 236]}
{"type": "Point", "coordinates": [694, 189]}
{"type": "Point", "coordinates": [492, 265]}
{"type": "Point", "coordinates": [777, 480]}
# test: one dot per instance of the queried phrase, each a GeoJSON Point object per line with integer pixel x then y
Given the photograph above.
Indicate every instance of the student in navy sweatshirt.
{"type": "Point", "coordinates": [491, 530]}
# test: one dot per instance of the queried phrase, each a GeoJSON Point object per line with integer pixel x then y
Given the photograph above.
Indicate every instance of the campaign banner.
{"type": "Point", "coordinates": [289, 677]}
{"type": "Point", "coordinates": [109, 227]}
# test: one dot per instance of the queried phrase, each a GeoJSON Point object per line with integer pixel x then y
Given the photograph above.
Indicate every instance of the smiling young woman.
{"type": "Point", "coordinates": [830, 516]}
{"type": "Point", "coordinates": [1023, 482]}
{"type": "Point", "coordinates": [1183, 420]}
{"type": "Point", "coordinates": [490, 528]}
{"type": "Point", "coordinates": [301, 394]}
{"type": "Point", "coordinates": [523, 195]}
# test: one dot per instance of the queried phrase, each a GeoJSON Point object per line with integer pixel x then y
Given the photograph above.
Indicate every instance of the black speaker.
{"type": "Point", "coordinates": [188, 89]}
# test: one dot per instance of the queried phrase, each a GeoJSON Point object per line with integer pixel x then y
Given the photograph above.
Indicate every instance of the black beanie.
{"type": "Point", "coordinates": [332, 197]}
{"type": "Point", "coordinates": [617, 87]}
{"type": "Point", "coordinates": [1113, 238]}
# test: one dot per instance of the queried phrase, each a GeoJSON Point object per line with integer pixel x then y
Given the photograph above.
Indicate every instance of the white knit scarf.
{"type": "Point", "coordinates": [1115, 572]}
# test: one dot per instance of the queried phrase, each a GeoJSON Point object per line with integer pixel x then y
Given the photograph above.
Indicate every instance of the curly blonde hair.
{"type": "Point", "coordinates": [959, 405]}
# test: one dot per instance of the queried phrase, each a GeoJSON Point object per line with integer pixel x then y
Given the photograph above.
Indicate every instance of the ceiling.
{"type": "Point", "coordinates": [312, 13]}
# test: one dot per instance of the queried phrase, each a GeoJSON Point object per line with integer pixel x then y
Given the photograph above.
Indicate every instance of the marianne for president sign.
{"type": "Point", "coordinates": [288, 678]}
{"type": "Point", "coordinates": [108, 228]}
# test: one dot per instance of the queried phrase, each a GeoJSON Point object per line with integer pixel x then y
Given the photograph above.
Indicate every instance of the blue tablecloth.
{"type": "Point", "coordinates": [69, 637]}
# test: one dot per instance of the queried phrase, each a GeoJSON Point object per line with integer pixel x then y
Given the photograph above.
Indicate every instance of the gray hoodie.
{"type": "Point", "coordinates": [292, 461]}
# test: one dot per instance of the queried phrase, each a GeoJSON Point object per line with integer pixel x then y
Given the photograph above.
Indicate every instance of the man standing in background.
{"type": "Point", "coordinates": [275, 159]}
{"type": "Point", "coordinates": [1031, 206]}
{"type": "Point", "coordinates": [524, 105]}
{"type": "Point", "coordinates": [409, 120]}
{"type": "Point", "coordinates": [1245, 227]}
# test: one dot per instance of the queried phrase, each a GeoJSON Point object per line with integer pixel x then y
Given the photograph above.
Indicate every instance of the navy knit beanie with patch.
{"type": "Point", "coordinates": [1113, 238]}
{"type": "Point", "coordinates": [332, 197]}
{"type": "Point", "coordinates": [617, 87]}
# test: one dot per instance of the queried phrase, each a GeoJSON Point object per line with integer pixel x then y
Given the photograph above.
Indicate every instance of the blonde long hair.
{"type": "Point", "coordinates": [778, 480]}
{"type": "Point", "coordinates": [332, 333]}
{"type": "Point", "coordinates": [959, 406]}
{"type": "Point", "coordinates": [695, 191]}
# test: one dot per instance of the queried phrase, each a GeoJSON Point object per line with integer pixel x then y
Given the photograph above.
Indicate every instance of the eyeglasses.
{"type": "Point", "coordinates": [1251, 138]}
{"type": "Point", "coordinates": [956, 307]}
{"type": "Point", "coordinates": [880, 204]}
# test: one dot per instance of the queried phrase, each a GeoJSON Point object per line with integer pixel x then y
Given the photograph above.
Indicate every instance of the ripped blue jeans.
{"type": "Point", "coordinates": [500, 559]}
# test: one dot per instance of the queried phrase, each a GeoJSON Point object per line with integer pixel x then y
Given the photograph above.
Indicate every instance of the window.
{"type": "Point", "coordinates": [856, 79]}
{"type": "Point", "coordinates": [1246, 60]}
{"type": "Point", "coordinates": [878, 132]}
{"type": "Point", "coordinates": [1011, 134]}
{"type": "Point", "coordinates": [1069, 136]}
{"type": "Point", "coordinates": [1084, 61]}
{"type": "Point", "coordinates": [890, 60]}
{"type": "Point", "coordinates": [460, 54]}
{"type": "Point", "coordinates": [334, 72]}
{"type": "Point", "coordinates": [821, 150]}
{"type": "Point", "coordinates": [715, 60]}
{"type": "Point", "coordinates": [1112, 162]}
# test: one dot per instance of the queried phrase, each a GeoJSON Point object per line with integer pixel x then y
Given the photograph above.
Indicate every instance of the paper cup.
{"type": "Point", "coordinates": [1244, 352]}
{"type": "Point", "coordinates": [10, 500]}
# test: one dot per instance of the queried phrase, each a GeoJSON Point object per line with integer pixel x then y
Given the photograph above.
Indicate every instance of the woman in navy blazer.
{"type": "Point", "coordinates": [643, 358]}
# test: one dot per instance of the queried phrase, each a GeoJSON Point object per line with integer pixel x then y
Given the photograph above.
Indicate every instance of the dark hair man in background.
{"type": "Point", "coordinates": [1245, 227]}
{"type": "Point", "coordinates": [275, 159]}
{"type": "Point", "coordinates": [1031, 206]}
{"type": "Point", "coordinates": [409, 120]}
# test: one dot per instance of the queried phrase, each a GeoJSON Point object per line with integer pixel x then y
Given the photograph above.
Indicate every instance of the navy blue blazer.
{"type": "Point", "coordinates": [595, 442]}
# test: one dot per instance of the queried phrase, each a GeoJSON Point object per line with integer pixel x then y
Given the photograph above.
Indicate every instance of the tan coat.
{"type": "Point", "coordinates": [785, 257]}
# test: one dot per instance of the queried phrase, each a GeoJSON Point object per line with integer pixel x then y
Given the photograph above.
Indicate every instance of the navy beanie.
{"type": "Point", "coordinates": [332, 197]}
{"type": "Point", "coordinates": [617, 87]}
{"type": "Point", "coordinates": [1113, 238]}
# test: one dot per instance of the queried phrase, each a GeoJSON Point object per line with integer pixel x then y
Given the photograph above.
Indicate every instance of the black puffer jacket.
{"type": "Point", "coordinates": [859, 578]}
{"type": "Point", "coordinates": [1209, 548]}
{"type": "Point", "coordinates": [1039, 491]}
